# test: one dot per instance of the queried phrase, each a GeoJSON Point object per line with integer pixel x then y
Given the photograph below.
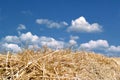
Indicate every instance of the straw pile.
{"type": "Point", "coordinates": [57, 65]}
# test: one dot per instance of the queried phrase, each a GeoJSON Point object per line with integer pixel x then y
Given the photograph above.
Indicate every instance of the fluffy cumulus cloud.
{"type": "Point", "coordinates": [50, 23]}
{"type": "Point", "coordinates": [16, 43]}
{"type": "Point", "coordinates": [21, 27]}
{"type": "Point", "coordinates": [40, 41]}
{"type": "Point", "coordinates": [29, 37]}
{"type": "Point", "coordinates": [12, 39]}
{"type": "Point", "coordinates": [93, 45]}
{"type": "Point", "coordinates": [51, 42]}
{"type": "Point", "coordinates": [81, 25]}
{"type": "Point", "coordinates": [72, 42]}
{"type": "Point", "coordinates": [114, 49]}
{"type": "Point", "coordinates": [101, 45]}
{"type": "Point", "coordinates": [11, 47]}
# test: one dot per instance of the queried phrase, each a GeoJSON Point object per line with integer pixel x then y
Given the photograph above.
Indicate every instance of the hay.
{"type": "Point", "coordinates": [57, 65]}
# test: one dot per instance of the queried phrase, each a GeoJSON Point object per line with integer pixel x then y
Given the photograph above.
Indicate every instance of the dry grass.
{"type": "Point", "coordinates": [117, 60]}
{"type": "Point", "coordinates": [57, 65]}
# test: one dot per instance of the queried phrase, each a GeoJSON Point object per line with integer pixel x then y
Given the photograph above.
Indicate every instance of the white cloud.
{"type": "Point", "coordinates": [51, 24]}
{"type": "Point", "coordinates": [11, 39]}
{"type": "Point", "coordinates": [81, 25]}
{"type": "Point", "coordinates": [101, 45]}
{"type": "Point", "coordinates": [72, 42]}
{"type": "Point", "coordinates": [34, 46]}
{"type": "Point", "coordinates": [12, 43]}
{"type": "Point", "coordinates": [74, 37]}
{"type": "Point", "coordinates": [41, 41]}
{"type": "Point", "coordinates": [11, 47]}
{"type": "Point", "coordinates": [51, 42]}
{"type": "Point", "coordinates": [21, 27]}
{"type": "Point", "coordinates": [29, 37]}
{"type": "Point", "coordinates": [43, 21]}
{"type": "Point", "coordinates": [93, 45]}
{"type": "Point", "coordinates": [113, 49]}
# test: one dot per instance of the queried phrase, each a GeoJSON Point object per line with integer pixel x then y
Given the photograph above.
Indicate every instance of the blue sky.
{"type": "Point", "coordinates": [91, 25]}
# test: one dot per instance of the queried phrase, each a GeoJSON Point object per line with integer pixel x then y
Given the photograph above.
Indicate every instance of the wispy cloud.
{"type": "Point", "coordinates": [81, 25]}
{"type": "Point", "coordinates": [50, 23]}
{"type": "Point", "coordinates": [74, 37]}
{"type": "Point", "coordinates": [26, 12]}
{"type": "Point", "coordinates": [21, 27]}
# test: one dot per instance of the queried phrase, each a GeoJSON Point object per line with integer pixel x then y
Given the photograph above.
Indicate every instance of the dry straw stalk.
{"type": "Point", "coordinates": [58, 65]}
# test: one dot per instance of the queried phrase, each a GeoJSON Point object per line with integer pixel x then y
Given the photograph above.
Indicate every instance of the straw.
{"type": "Point", "coordinates": [58, 65]}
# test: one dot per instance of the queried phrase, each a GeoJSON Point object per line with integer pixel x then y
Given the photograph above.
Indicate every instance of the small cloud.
{"type": "Point", "coordinates": [95, 45]}
{"type": "Point", "coordinates": [29, 37]}
{"type": "Point", "coordinates": [11, 39]}
{"type": "Point", "coordinates": [101, 45]}
{"type": "Point", "coordinates": [113, 49]}
{"type": "Point", "coordinates": [74, 37]}
{"type": "Point", "coordinates": [11, 47]}
{"type": "Point", "coordinates": [51, 42]}
{"type": "Point", "coordinates": [65, 23]}
{"type": "Point", "coordinates": [81, 25]}
{"type": "Point", "coordinates": [50, 23]}
{"type": "Point", "coordinates": [26, 12]}
{"type": "Point", "coordinates": [72, 42]}
{"type": "Point", "coordinates": [21, 27]}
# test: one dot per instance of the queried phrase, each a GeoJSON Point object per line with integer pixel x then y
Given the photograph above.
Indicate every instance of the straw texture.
{"type": "Point", "coordinates": [58, 65]}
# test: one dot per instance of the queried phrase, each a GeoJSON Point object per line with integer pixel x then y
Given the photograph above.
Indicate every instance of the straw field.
{"type": "Point", "coordinates": [50, 64]}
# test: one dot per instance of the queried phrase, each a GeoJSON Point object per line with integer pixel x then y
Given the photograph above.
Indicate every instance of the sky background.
{"type": "Point", "coordinates": [92, 25]}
